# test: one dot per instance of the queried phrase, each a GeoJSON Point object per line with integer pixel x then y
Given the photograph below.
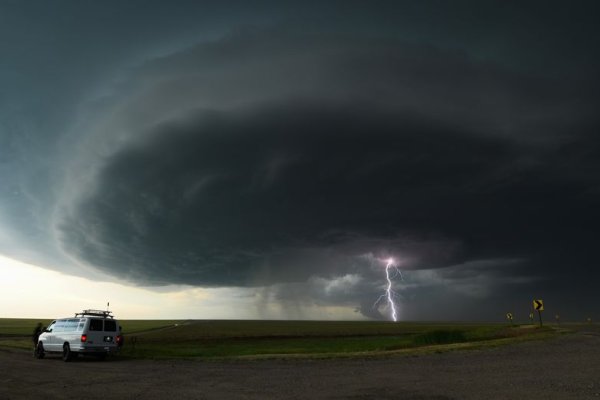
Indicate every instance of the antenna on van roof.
{"type": "Point", "coordinates": [107, 304]}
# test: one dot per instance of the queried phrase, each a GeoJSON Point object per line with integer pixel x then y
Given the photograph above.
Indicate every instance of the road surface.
{"type": "Point", "coordinates": [566, 367]}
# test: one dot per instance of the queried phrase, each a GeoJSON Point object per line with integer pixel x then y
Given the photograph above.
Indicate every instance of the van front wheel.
{"type": "Point", "coordinates": [67, 354]}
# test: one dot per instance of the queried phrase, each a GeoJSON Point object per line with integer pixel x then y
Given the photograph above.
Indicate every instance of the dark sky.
{"type": "Point", "coordinates": [289, 149]}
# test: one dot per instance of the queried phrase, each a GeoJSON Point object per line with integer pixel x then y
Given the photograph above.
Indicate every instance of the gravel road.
{"type": "Point", "coordinates": [567, 367]}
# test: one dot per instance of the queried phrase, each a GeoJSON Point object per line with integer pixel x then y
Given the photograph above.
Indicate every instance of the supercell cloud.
{"type": "Point", "coordinates": [288, 161]}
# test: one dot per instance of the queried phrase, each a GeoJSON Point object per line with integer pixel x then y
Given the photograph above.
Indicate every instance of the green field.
{"type": "Point", "coordinates": [228, 338]}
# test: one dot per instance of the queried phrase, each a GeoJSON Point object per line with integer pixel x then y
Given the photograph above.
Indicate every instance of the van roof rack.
{"type": "Point", "coordinates": [95, 313]}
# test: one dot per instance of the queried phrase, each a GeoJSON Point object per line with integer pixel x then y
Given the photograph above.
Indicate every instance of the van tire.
{"type": "Point", "coordinates": [39, 351]}
{"type": "Point", "coordinates": [67, 354]}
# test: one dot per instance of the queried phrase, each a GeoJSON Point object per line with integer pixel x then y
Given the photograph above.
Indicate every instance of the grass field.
{"type": "Point", "coordinates": [227, 338]}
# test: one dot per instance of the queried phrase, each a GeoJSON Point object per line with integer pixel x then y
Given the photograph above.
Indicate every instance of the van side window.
{"type": "Point", "coordinates": [95, 324]}
{"type": "Point", "coordinates": [110, 326]}
{"type": "Point", "coordinates": [59, 326]}
{"type": "Point", "coordinates": [71, 325]}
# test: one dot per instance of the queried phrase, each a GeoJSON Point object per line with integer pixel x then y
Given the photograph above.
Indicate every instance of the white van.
{"type": "Point", "coordinates": [91, 332]}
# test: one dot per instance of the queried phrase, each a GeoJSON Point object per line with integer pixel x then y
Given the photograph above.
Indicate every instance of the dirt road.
{"type": "Point", "coordinates": [567, 367]}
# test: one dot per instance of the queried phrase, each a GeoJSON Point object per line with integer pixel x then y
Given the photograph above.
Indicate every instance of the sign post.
{"type": "Point", "coordinates": [509, 317]}
{"type": "Point", "coordinates": [539, 306]}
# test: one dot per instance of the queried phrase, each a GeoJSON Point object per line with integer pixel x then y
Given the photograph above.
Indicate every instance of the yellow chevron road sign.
{"type": "Point", "coordinates": [538, 305]}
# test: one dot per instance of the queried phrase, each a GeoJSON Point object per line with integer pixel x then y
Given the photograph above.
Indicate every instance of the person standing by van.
{"type": "Point", "coordinates": [36, 334]}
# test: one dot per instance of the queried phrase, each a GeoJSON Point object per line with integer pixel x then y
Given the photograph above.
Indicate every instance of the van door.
{"type": "Point", "coordinates": [58, 332]}
{"type": "Point", "coordinates": [110, 333]}
{"type": "Point", "coordinates": [70, 333]}
{"type": "Point", "coordinates": [95, 332]}
{"type": "Point", "coordinates": [49, 337]}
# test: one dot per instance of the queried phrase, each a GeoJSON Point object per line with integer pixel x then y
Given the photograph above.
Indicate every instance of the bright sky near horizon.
{"type": "Point", "coordinates": [27, 291]}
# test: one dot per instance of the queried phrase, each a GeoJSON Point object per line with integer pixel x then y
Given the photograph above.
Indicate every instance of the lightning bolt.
{"type": "Point", "coordinates": [389, 292]}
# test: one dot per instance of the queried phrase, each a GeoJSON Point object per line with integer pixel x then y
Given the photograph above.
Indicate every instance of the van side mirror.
{"type": "Point", "coordinates": [47, 330]}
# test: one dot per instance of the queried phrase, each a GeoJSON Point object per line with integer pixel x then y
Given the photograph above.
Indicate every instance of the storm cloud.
{"type": "Point", "coordinates": [263, 159]}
